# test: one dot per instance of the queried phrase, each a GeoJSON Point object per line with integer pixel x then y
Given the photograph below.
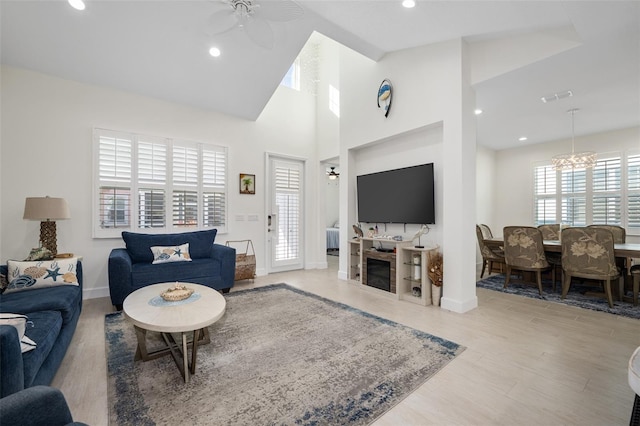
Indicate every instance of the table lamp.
{"type": "Point", "coordinates": [47, 210]}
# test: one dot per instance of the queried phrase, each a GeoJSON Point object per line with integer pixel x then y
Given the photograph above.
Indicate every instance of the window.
{"type": "Point", "coordinates": [146, 183]}
{"type": "Point", "coordinates": [607, 194]}
{"type": "Point", "coordinates": [292, 77]}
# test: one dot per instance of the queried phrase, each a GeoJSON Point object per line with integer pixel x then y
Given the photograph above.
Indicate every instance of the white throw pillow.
{"type": "Point", "coordinates": [163, 254]}
{"type": "Point", "coordinates": [41, 273]}
{"type": "Point", "coordinates": [19, 322]}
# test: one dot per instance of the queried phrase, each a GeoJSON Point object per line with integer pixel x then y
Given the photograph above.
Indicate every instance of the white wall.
{"type": "Point", "coordinates": [46, 149]}
{"type": "Point", "coordinates": [431, 88]}
{"type": "Point", "coordinates": [513, 195]}
{"type": "Point", "coordinates": [332, 201]}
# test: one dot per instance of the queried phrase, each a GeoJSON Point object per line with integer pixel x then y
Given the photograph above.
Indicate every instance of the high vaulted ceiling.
{"type": "Point", "coordinates": [159, 49]}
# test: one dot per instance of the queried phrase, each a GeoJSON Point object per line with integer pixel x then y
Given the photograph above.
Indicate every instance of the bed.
{"type": "Point", "coordinates": [333, 238]}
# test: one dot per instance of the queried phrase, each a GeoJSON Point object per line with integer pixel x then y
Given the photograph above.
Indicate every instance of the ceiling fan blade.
{"type": "Point", "coordinates": [221, 21]}
{"type": "Point", "coordinates": [280, 10]}
{"type": "Point", "coordinates": [260, 32]}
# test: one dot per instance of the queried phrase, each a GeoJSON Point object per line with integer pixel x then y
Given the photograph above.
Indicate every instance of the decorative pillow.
{"type": "Point", "coordinates": [44, 273]}
{"type": "Point", "coordinates": [19, 322]}
{"type": "Point", "coordinates": [163, 254]}
{"type": "Point", "coordinates": [4, 283]}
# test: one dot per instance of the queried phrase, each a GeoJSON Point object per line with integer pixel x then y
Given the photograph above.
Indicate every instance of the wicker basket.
{"type": "Point", "coordinates": [245, 262]}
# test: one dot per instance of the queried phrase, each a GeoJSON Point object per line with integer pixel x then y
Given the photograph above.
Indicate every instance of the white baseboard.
{"type": "Point", "coordinates": [459, 306]}
{"type": "Point", "coordinates": [95, 293]}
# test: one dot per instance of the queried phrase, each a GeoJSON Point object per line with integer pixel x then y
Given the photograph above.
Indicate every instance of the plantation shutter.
{"type": "Point", "coordinates": [114, 175]}
{"type": "Point", "coordinates": [287, 187]}
{"type": "Point", "coordinates": [633, 191]}
{"type": "Point", "coordinates": [545, 194]}
{"type": "Point", "coordinates": [152, 178]}
{"type": "Point", "coordinates": [574, 200]}
{"type": "Point", "coordinates": [607, 192]}
{"type": "Point", "coordinates": [214, 177]}
{"type": "Point", "coordinates": [185, 184]}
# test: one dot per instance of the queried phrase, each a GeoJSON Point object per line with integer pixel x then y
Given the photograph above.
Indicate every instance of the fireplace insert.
{"type": "Point", "coordinates": [379, 274]}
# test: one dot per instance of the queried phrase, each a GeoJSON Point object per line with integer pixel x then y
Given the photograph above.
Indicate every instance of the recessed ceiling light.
{"type": "Point", "coordinates": [214, 51]}
{"type": "Point", "coordinates": [477, 111]}
{"type": "Point", "coordinates": [522, 138]}
{"type": "Point", "coordinates": [77, 4]}
{"type": "Point", "coordinates": [409, 3]}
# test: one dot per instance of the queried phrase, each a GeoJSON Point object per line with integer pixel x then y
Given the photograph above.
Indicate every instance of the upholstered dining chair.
{"type": "Point", "coordinates": [619, 237]}
{"type": "Point", "coordinates": [524, 251]}
{"type": "Point", "coordinates": [486, 231]}
{"type": "Point", "coordinates": [589, 253]}
{"type": "Point", "coordinates": [550, 231]}
{"type": "Point", "coordinates": [488, 256]}
{"type": "Point", "coordinates": [619, 233]}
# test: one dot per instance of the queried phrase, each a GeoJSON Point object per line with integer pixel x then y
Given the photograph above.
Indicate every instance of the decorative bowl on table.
{"type": "Point", "coordinates": [176, 293]}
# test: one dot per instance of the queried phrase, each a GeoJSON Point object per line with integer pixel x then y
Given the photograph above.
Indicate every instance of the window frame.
{"type": "Point", "coordinates": [137, 184]}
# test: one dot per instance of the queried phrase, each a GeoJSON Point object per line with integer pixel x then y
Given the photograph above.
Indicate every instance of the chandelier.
{"type": "Point", "coordinates": [574, 160]}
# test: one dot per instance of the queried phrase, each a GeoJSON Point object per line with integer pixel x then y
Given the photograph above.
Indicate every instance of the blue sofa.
{"type": "Point", "coordinates": [54, 312]}
{"type": "Point", "coordinates": [131, 268]}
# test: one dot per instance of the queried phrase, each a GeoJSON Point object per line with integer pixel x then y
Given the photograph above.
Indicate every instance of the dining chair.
{"type": "Point", "coordinates": [619, 233]}
{"type": "Point", "coordinates": [550, 231]}
{"type": "Point", "coordinates": [486, 231]}
{"type": "Point", "coordinates": [589, 253]}
{"type": "Point", "coordinates": [489, 256]}
{"type": "Point", "coordinates": [524, 251]}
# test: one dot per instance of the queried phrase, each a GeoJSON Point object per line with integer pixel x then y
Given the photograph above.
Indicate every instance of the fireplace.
{"type": "Point", "coordinates": [379, 270]}
{"type": "Point", "coordinates": [379, 274]}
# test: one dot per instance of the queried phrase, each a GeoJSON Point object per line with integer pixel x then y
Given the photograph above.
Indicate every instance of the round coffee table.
{"type": "Point", "coordinates": [149, 312]}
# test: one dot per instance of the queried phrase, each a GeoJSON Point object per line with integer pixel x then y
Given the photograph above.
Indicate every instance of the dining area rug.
{"type": "Point", "coordinates": [579, 295]}
{"type": "Point", "coordinates": [279, 355]}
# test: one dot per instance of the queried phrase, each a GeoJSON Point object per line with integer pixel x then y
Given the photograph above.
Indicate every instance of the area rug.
{"type": "Point", "coordinates": [279, 356]}
{"type": "Point", "coordinates": [577, 296]}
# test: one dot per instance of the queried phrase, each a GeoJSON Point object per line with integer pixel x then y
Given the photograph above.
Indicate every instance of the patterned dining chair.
{"type": "Point", "coordinates": [550, 231]}
{"type": "Point", "coordinates": [619, 237]}
{"type": "Point", "coordinates": [619, 233]}
{"type": "Point", "coordinates": [589, 253]}
{"type": "Point", "coordinates": [524, 251]}
{"type": "Point", "coordinates": [489, 256]}
{"type": "Point", "coordinates": [486, 231]}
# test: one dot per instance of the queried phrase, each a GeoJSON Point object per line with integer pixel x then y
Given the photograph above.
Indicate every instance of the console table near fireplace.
{"type": "Point", "coordinates": [401, 271]}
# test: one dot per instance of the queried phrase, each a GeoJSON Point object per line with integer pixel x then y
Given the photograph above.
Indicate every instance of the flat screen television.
{"type": "Point", "coordinates": [397, 196]}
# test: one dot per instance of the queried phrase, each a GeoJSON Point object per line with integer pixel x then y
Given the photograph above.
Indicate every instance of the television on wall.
{"type": "Point", "coordinates": [397, 196]}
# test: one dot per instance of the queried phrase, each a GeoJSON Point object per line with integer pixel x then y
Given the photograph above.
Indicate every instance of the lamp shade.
{"type": "Point", "coordinates": [46, 208]}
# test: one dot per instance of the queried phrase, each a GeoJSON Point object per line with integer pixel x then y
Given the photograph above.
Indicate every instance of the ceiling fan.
{"type": "Point", "coordinates": [333, 174]}
{"type": "Point", "coordinates": [254, 18]}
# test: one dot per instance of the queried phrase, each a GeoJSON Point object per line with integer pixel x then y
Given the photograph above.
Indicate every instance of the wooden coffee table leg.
{"type": "Point", "coordinates": [141, 350]}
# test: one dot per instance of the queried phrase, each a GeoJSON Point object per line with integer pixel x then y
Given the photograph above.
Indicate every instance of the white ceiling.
{"type": "Point", "coordinates": [159, 49]}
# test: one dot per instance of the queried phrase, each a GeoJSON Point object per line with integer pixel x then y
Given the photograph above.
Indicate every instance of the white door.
{"type": "Point", "coordinates": [285, 216]}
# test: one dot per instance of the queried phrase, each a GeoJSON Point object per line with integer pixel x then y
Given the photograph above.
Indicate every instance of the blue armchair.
{"type": "Point", "coordinates": [131, 268]}
{"type": "Point", "coordinates": [36, 406]}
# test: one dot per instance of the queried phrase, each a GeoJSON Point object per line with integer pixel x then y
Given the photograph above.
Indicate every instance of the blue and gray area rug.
{"type": "Point", "coordinates": [580, 295]}
{"type": "Point", "coordinates": [278, 356]}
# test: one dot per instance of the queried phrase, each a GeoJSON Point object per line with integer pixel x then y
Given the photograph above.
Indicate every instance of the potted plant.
{"type": "Point", "coordinates": [435, 275]}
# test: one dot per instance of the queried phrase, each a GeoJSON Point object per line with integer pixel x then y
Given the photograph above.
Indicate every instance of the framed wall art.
{"type": "Point", "coordinates": [247, 183]}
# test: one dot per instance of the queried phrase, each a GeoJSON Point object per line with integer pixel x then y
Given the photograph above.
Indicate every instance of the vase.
{"type": "Point", "coordinates": [436, 292]}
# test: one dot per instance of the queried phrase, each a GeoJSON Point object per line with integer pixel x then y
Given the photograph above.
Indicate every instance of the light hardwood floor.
{"type": "Point", "coordinates": [527, 362]}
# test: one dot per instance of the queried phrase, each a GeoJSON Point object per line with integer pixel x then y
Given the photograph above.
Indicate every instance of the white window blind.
{"type": "Point", "coordinates": [191, 176]}
{"type": "Point", "coordinates": [545, 194]}
{"type": "Point", "coordinates": [633, 191]}
{"type": "Point", "coordinates": [287, 183]}
{"type": "Point", "coordinates": [607, 194]}
{"type": "Point", "coordinates": [574, 197]}
{"type": "Point", "coordinates": [114, 181]}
